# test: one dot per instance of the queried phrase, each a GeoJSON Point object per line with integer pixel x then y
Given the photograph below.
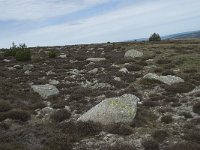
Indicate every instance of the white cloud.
{"type": "Point", "coordinates": [134, 21]}
{"type": "Point", "coordinates": [42, 9]}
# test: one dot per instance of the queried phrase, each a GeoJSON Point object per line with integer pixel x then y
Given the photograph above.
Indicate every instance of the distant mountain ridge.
{"type": "Point", "coordinates": [184, 35]}
{"type": "Point", "coordinates": [178, 36]}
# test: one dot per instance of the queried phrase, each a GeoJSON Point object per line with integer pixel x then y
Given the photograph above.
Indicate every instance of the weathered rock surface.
{"type": "Point", "coordinates": [169, 79]}
{"type": "Point", "coordinates": [113, 110]}
{"type": "Point", "coordinates": [96, 59]}
{"type": "Point", "coordinates": [133, 54]}
{"type": "Point", "coordinates": [45, 90]}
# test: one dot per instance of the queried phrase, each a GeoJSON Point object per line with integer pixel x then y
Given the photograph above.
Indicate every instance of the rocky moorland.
{"type": "Point", "coordinates": [111, 96]}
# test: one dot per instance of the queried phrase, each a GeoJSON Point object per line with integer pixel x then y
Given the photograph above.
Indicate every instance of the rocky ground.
{"type": "Point", "coordinates": [41, 99]}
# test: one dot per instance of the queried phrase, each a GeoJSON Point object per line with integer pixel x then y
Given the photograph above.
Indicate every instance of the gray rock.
{"type": "Point", "coordinates": [54, 82]}
{"type": "Point", "coordinates": [45, 90]}
{"type": "Point", "coordinates": [6, 60]}
{"type": "Point", "coordinates": [28, 67]}
{"type": "Point", "coordinates": [63, 56]}
{"type": "Point", "coordinates": [17, 67]}
{"type": "Point", "coordinates": [133, 54]}
{"type": "Point", "coordinates": [96, 59]}
{"type": "Point", "coordinates": [195, 92]}
{"type": "Point", "coordinates": [169, 79]}
{"type": "Point", "coordinates": [124, 70]}
{"type": "Point", "coordinates": [117, 79]}
{"type": "Point", "coordinates": [113, 110]}
{"type": "Point", "coordinates": [94, 71]}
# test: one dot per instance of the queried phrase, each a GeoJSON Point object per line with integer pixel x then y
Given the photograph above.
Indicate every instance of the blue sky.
{"type": "Point", "coordinates": [62, 22]}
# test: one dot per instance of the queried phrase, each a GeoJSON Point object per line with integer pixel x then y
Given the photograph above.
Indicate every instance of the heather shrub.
{"type": "Point", "coordinates": [60, 115]}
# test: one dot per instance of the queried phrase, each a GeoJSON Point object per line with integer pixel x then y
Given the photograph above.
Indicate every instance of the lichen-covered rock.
{"type": "Point", "coordinates": [96, 59]}
{"type": "Point", "coordinates": [169, 79]}
{"type": "Point", "coordinates": [133, 54]}
{"type": "Point", "coordinates": [45, 90]}
{"type": "Point", "coordinates": [113, 110]}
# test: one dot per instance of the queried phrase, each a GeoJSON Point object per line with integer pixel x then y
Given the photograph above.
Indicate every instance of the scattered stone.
{"type": "Point", "coordinates": [28, 67]}
{"type": "Point", "coordinates": [45, 90]}
{"type": "Point", "coordinates": [169, 79]}
{"type": "Point", "coordinates": [63, 56]}
{"type": "Point", "coordinates": [27, 72]}
{"type": "Point", "coordinates": [74, 71]}
{"type": "Point", "coordinates": [93, 71]}
{"type": "Point", "coordinates": [133, 54]}
{"type": "Point", "coordinates": [11, 68]}
{"type": "Point", "coordinates": [50, 73]}
{"type": "Point", "coordinates": [124, 70]}
{"type": "Point", "coordinates": [117, 79]}
{"type": "Point", "coordinates": [17, 67]}
{"type": "Point", "coordinates": [6, 60]}
{"type": "Point", "coordinates": [195, 92]}
{"type": "Point", "coordinates": [95, 59]}
{"type": "Point", "coordinates": [54, 82]}
{"type": "Point", "coordinates": [113, 110]}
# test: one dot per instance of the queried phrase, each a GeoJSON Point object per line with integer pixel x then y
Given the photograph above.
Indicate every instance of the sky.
{"type": "Point", "coordinates": [64, 22]}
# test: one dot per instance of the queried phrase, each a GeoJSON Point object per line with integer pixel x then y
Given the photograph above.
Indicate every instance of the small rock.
{"type": "Point", "coordinates": [169, 79]}
{"type": "Point", "coordinates": [17, 67]}
{"type": "Point", "coordinates": [50, 73]}
{"type": "Point", "coordinates": [93, 71]}
{"type": "Point", "coordinates": [27, 72]}
{"type": "Point", "coordinates": [6, 60]}
{"type": "Point", "coordinates": [63, 56]}
{"type": "Point", "coordinates": [124, 70]}
{"type": "Point", "coordinates": [45, 90]}
{"type": "Point", "coordinates": [117, 79]}
{"type": "Point", "coordinates": [133, 54]}
{"type": "Point", "coordinates": [95, 59]}
{"type": "Point", "coordinates": [28, 67]}
{"type": "Point", "coordinates": [54, 82]}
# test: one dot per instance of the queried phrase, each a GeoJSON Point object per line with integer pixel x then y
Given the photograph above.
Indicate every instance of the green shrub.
{"type": "Point", "coordinates": [52, 54]}
{"type": "Point", "coordinates": [23, 55]}
{"type": "Point", "coordinates": [155, 37]}
{"type": "Point", "coordinates": [19, 115]}
{"type": "Point", "coordinates": [5, 106]}
{"type": "Point", "coordinates": [167, 119]}
{"type": "Point", "coordinates": [60, 115]}
{"type": "Point", "coordinates": [10, 52]}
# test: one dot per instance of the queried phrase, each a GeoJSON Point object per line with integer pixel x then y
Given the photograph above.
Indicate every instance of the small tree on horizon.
{"type": "Point", "coordinates": [155, 37]}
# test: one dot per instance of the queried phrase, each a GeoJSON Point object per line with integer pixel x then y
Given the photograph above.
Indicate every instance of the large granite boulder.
{"type": "Point", "coordinates": [133, 54]}
{"type": "Point", "coordinates": [113, 110]}
{"type": "Point", "coordinates": [169, 79]}
{"type": "Point", "coordinates": [45, 90]}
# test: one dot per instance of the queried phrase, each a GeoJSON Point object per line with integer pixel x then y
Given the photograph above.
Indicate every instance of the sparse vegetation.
{"type": "Point", "coordinates": [167, 119]}
{"type": "Point", "coordinates": [5, 106]}
{"type": "Point", "coordinates": [19, 115]}
{"type": "Point", "coordinates": [60, 115]}
{"type": "Point", "coordinates": [196, 108]}
{"type": "Point", "coordinates": [52, 54]}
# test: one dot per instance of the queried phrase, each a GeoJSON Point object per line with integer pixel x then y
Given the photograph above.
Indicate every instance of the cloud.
{"type": "Point", "coordinates": [136, 20]}
{"type": "Point", "coordinates": [42, 9]}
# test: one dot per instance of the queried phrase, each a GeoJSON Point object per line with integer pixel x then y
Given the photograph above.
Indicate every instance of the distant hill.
{"type": "Point", "coordinates": [185, 35]}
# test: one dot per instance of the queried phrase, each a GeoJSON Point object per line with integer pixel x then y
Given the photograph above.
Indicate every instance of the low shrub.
{"type": "Point", "coordinates": [167, 119]}
{"type": "Point", "coordinates": [134, 67]}
{"type": "Point", "coordinates": [121, 146]}
{"type": "Point", "coordinates": [52, 54]}
{"type": "Point", "coordinates": [150, 103]}
{"type": "Point", "coordinates": [118, 128]}
{"type": "Point", "coordinates": [150, 144]}
{"type": "Point", "coordinates": [196, 108]}
{"type": "Point", "coordinates": [163, 61]}
{"type": "Point", "coordinates": [182, 87]}
{"type": "Point", "coordinates": [183, 146]}
{"type": "Point", "coordinates": [19, 115]}
{"type": "Point", "coordinates": [186, 114]}
{"type": "Point", "coordinates": [192, 135]}
{"type": "Point", "coordinates": [23, 55]}
{"type": "Point", "coordinates": [5, 106]}
{"type": "Point", "coordinates": [159, 135]}
{"type": "Point", "coordinates": [60, 115]}
{"type": "Point", "coordinates": [88, 128]}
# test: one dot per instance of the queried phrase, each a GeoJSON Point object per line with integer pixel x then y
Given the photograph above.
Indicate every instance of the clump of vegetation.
{"type": "Point", "coordinates": [52, 54]}
{"type": "Point", "coordinates": [118, 128]}
{"type": "Point", "coordinates": [134, 67]}
{"type": "Point", "coordinates": [19, 115]}
{"type": "Point", "coordinates": [182, 87]}
{"type": "Point", "coordinates": [196, 108]}
{"type": "Point", "coordinates": [167, 119]}
{"type": "Point", "coordinates": [60, 115]}
{"type": "Point", "coordinates": [150, 103]}
{"type": "Point", "coordinates": [183, 146]}
{"type": "Point", "coordinates": [21, 53]}
{"type": "Point", "coordinates": [186, 114]}
{"type": "Point", "coordinates": [192, 135]}
{"type": "Point", "coordinates": [159, 135]}
{"type": "Point", "coordinates": [150, 144]}
{"type": "Point", "coordinates": [121, 146]}
{"type": "Point", "coordinates": [5, 106]}
{"type": "Point", "coordinates": [155, 37]}
{"type": "Point", "coordinates": [88, 128]}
